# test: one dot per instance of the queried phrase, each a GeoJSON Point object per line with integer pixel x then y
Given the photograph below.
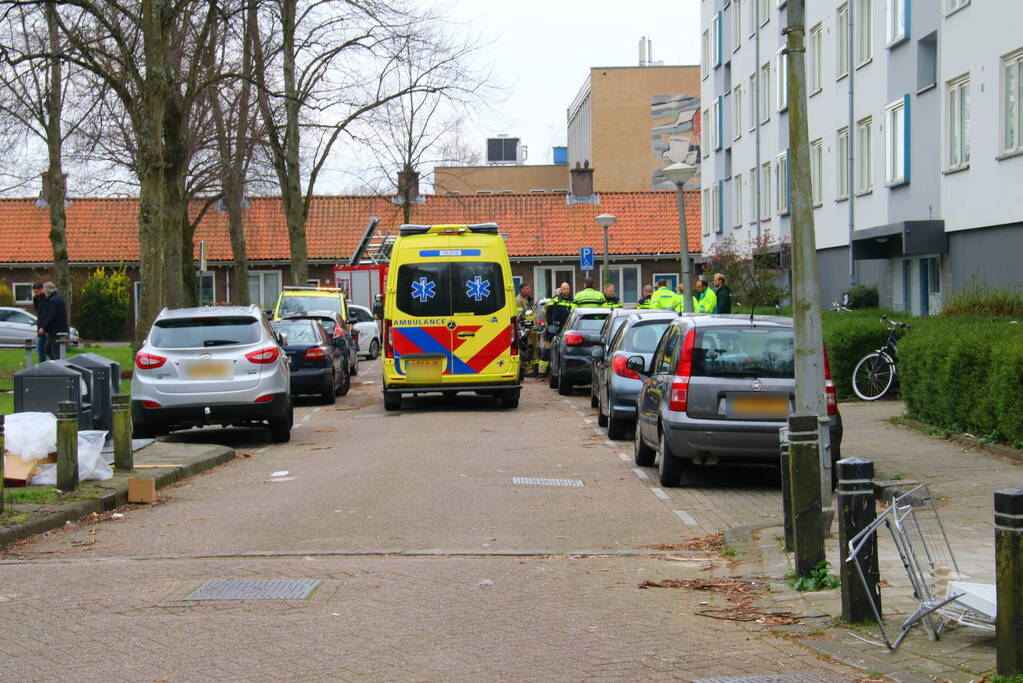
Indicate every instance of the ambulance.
{"type": "Point", "coordinates": [450, 322]}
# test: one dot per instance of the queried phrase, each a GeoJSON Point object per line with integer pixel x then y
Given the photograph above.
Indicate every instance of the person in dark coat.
{"type": "Point", "coordinates": [39, 303]}
{"type": "Point", "coordinates": [53, 321]}
{"type": "Point", "coordinates": [723, 292]}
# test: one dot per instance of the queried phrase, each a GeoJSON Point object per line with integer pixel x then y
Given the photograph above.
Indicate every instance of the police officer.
{"type": "Point", "coordinates": [663, 298]}
{"type": "Point", "coordinates": [588, 296]}
{"type": "Point", "coordinates": [555, 315]}
{"type": "Point", "coordinates": [525, 309]}
{"type": "Point", "coordinates": [644, 302]}
{"type": "Point", "coordinates": [610, 300]}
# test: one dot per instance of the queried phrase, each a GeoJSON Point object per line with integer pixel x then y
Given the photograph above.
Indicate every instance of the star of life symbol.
{"type": "Point", "coordinates": [477, 288]}
{"type": "Point", "coordinates": [424, 289]}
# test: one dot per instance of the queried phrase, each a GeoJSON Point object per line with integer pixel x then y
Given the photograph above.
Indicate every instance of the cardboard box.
{"type": "Point", "coordinates": [141, 490]}
{"type": "Point", "coordinates": [18, 472]}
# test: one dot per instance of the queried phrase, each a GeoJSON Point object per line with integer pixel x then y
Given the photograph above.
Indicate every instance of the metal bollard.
{"type": "Point", "coordinates": [29, 348]}
{"type": "Point", "coordinates": [804, 509]}
{"type": "Point", "coordinates": [67, 446]}
{"type": "Point", "coordinates": [856, 512]}
{"type": "Point", "coordinates": [1009, 581]}
{"type": "Point", "coordinates": [2, 451]}
{"type": "Point", "coordinates": [62, 340]}
{"type": "Point", "coordinates": [123, 459]}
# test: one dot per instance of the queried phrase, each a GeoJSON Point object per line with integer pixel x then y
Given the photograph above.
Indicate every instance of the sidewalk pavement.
{"type": "Point", "coordinates": [167, 463]}
{"type": "Point", "coordinates": [963, 479]}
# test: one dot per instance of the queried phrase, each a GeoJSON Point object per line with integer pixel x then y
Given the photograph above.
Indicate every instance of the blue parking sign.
{"type": "Point", "coordinates": [586, 258]}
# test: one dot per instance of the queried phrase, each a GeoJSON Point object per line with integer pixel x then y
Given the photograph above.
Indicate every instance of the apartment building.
{"type": "Point", "coordinates": [915, 128]}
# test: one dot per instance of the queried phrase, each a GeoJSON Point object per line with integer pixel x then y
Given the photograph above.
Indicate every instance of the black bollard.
{"type": "Point", "coordinates": [67, 446]}
{"type": "Point", "coordinates": [856, 511]}
{"type": "Point", "coordinates": [1009, 582]}
{"type": "Point", "coordinates": [804, 510]}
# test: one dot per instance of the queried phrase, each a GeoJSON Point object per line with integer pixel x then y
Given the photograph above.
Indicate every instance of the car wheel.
{"type": "Point", "coordinates": [617, 428]}
{"type": "Point", "coordinates": [601, 416]}
{"type": "Point", "coordinates": [346, 381]}
{"type": "Point", "coordinates": [670, 468]}
{"type": "Point", "coordinates": [327, 394]}
{"type": "Point", "coordinates": [374, 349]}
{"type": "Point", "coordinates": [280, 427]}
{"type": "Point", "coordinates": [354, 370]}
{"type": "Point", "coordinates": [641, 453]}
{"type": "Point", "coordinates": [510, 399]}
{"type": "Point", "coordinates": [564, 387]}
{"type": "Point", "coordinates": [552, 380]}
{"type": "Point", "coordinates": [144, 431]}
{"type": "Point", "coordinates": [392, 400]}
{"type": "Point", "coordinates": [594, 398]}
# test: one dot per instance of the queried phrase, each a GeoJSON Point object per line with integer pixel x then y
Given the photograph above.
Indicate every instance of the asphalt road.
{"type": "Point", "coordinates": [435, 561]}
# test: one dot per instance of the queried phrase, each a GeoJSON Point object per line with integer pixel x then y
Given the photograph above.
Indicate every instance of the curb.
{"type": "Point", "coordinates": [200, 459]}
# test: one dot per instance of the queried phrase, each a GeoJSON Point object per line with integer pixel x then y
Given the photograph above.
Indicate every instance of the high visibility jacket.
{"type": "Point", "coordinates": [588, 297]}
{"type": "Point", "coordinates": [558, 310]}
{"type": "Point", "coordinates": [644, 302]}
{"type": "Point", "coordinates": [612, 302]}
{"type": "Point", "coordinates": [706, 301]}
{"type": "Point", "coordinates": [663, 298]}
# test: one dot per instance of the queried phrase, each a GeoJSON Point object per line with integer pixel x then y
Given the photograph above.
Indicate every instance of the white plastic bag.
{"type": "Point", "coordinates": [90, 461]}
{"type": "Point", "coordinates": [32, 436]}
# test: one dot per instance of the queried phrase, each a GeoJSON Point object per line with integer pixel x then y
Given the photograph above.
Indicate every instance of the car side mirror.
{"type": "Point", "coordinates": [282, 339]}
{"type": "Point", "coordinates": [638, 364]}
{"type": "Point", "coordinates": [596, 352]}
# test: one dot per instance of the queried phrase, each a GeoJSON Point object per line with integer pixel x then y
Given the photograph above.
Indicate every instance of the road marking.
{"type": "Point", "coordinates": [685, 517]}
{"type": "Point", "coordinates": [659, 493]}
{"type": "Point", "coordinates": [541, 481]}
{"type": "Point", "coordinates": [639, 473]}
{"type": "Point", "coordinates": [624, 457]}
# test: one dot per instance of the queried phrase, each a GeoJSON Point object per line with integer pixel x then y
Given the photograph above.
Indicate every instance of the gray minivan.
{"type": "Point", "coordinates": [716, 390]}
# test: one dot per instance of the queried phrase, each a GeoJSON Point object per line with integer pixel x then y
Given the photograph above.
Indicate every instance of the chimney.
{"type": "Point", "coordinates": [581, 181]}
{"type": "Point", "coordinates": [408, 185]}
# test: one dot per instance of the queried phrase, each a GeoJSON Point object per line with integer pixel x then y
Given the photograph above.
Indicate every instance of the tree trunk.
{"type": "Point", "coordinates": [294, 203]}
{"type": "Point", "coordinates": [56, 190]}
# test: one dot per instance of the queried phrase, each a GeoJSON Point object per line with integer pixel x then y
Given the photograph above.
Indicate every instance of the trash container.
{"type": "Point", "coordinates": [41, 387]}
{"type": "Point", "coordinates": [104, 381]}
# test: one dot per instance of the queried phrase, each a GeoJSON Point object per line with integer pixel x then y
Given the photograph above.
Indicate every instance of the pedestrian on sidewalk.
{"type": "Point", "coordinates": [54, 319]}
{"type": "Point", "coordinates": [39, 303]}
{"type": "Point", "coordinates": [723, 293]}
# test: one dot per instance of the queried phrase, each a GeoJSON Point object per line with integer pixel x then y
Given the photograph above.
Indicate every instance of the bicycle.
{"type": "Point", "coordinates": [874, 375]}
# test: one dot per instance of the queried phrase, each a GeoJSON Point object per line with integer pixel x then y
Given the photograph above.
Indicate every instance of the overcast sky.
{"type": "Point", "coordinates": [545, 48]}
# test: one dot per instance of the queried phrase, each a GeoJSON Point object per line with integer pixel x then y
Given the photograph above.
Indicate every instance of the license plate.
{"type": "Point", "coordinates": [758, 406]}
{"type": "Point", "coordinates": [209, 369]}
{"type": "Point", "coordinates": [424, 369]}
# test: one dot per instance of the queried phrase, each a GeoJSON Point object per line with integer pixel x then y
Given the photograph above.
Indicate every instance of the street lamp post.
{"type": "Point", "coordinates": [678, 174]}
{"type": "Point", "coordinates": [605, 220]}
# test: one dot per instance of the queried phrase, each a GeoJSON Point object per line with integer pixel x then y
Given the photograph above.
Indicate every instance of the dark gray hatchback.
{"type": "Point", "coordinates": [717, 389]}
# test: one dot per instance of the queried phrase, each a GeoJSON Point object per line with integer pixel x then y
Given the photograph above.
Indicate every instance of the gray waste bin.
{"type": "Point", "coordinates": [104, 380]}
{"type": "Point", "coordinates": [41, 387]}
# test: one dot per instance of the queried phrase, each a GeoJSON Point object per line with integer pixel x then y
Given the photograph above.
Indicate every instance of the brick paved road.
{"type": "Point", "coordinates": [82, 603]}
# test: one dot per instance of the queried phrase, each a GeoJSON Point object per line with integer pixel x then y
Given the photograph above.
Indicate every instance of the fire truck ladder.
{"type": "Point", "coordinates": [373, 249]}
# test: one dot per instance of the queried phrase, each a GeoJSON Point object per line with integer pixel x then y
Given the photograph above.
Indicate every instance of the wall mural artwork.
{"type": "Point", "coordinates": [675, 135]}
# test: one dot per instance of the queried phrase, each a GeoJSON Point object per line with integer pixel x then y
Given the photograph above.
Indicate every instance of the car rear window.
{"type": "Point", "coordinates": [299, 333]}
{"type": "Point", "coordinates": [643, 338]}
{"type": "Point", "coordinates": [186, 333]}
{"type": "Point", "coordinates": [441, 289]}
{"type": "Point", "coordinates": [750, 352]}
{"type": "Point", "coordinates": [591, 322]}
{"type": "Point", "coordinates": [291, 304]}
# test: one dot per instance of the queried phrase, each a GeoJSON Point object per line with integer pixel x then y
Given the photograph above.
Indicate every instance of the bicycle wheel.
{"type": "Point", "coordinates": [873, 376]}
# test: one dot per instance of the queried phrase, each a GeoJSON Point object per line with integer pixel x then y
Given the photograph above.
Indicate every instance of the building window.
{"type": "Point", "coordinates": [705, 61]}
{"type": "Point", "coordinates": [934, 275]}
{"type": "Point", "coordinates": [625, 279]}
{"type": "Point", "coordinates": [737, 201]}
{"type": "Point", "coordinates": [670, 278]}
{"type": "Point", "coordinates": [842, 172]}
{"type": "Point", "coordinates": [842, 40]}
{"type": "Point", "coordinates": [1012, 98]}
{"type": "Point", "coordinates": [959, 123]}
{"type": "Point", "coordinates": [705, 211]}
{"type": "Point", "coordinates": [782, 79]}
{"type": "Point", "coordinates": [864, 25]}
{"type": "Point", "coordinates": [813, 59]}
{"type": "Point", "coordinates": [547, 279]}
{"type": "Point", "coordinates": [22, 292]}
{"type": "Point", "coordinates": [896, 142]}
{"type": "Point", "coordinates": [765, 191]}
{"type": "Point", "coordinates": [781, 183]}
{"type": "Point", "coordinates": [705, 133]}
{"type": "Point", "coordinates": [864, 182]}
{"type": "Point", "coordinates": [752, 101]}
{"type": "Point", "coordinates": [715, 122]}
{"type": "Point", "coordinates": [736, 24]}
{"type": "Point", "coordinates": [765, 93]}
{"type": "Point", "coordinates": [737, 111]}
{"type": "Point", "coordinates": [927, 62]}
{"type": "Point", "coordinates": [895, 21]}
{"type": "Point", "coordinates": [264, 286]}
{"type": "Point", "coordinates": [751, 19]}
{"type": "Point", "coordinates": [715, 207]}
{"type": "Point", "coordinates": [765, 11]}
{"type": "Point", "coordinates": [953, 5]}
{"type": "Point", "coordinates": [816, 168]}
{"type": "Point", "coordinates": [716, 39]}
{"type": "Point", "coordinates": [754, 187]}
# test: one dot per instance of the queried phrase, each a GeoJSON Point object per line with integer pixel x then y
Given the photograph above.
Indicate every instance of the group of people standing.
{"type": "Point", "coordinates": [543, 327]}
{"type": "Point", "coordinates": [51, 319]}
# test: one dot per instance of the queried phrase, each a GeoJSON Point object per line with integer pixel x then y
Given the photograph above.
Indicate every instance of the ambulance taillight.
{"type": "Point", "coordinates": [514, 336]}
{"type": "Point", "coordinates": [388, 339]}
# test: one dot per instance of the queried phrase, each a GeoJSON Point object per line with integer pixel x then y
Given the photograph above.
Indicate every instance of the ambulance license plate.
{"type": "Point", "coordinates": [758, 406]}
{"type": "Point", "coordinates": [424, 369]}
{"type": "Point", "coordinates": [209, 369]}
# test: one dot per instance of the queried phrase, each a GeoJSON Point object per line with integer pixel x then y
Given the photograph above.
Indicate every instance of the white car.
{"type": "Point", "coordinates": [369, 333]}
{"type": "Point", "coordinates": [18, 326]}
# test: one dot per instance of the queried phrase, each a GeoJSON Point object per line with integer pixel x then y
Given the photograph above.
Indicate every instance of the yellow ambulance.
{"type": "Point", "coordinates": [450, 323]}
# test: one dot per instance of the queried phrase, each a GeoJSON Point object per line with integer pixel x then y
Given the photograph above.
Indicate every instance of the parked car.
{"type": "Point", "coordinates": [717, 389]}
{"type": "Point", "coordinates": [18, 326]}
{"type": "Point", "coordinates": [295, 300]}
{"type": "Point", "coordinates": [212, 365]}
{"type": "Point", "coordinates": [336, 326]}
{"type": "Point", "coordinates": [570, 348]}
{"type": "Point", "coordinates": [612, 323]}
{"type": "Point", "coordinates": [615, 384]}
{"type": "Point", "coordinates": [319, 363]}
{"type": "Point", "coordinates": [369, 333]}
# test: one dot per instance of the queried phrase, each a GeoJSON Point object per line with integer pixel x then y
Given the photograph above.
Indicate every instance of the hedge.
{"type": "Point", "coordinates": [849, 336]}
{"type": "Point", "coordinates": [965, 374]}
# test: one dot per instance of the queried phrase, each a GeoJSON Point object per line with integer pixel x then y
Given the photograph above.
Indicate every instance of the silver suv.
{"type": "Point", "coordinates": [212, 365]}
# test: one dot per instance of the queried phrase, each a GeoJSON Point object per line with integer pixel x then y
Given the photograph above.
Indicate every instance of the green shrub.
{"type": "Point", "coordinates": [863, 296]}
{"type": "Point", "coordinates": [103, 304]}
{"type": "Point", "coordinates": [849, 336]}
{"type": "Point", "coordinates": [977, 297]}
{"type": "Point", "coordinates": [6, 296]}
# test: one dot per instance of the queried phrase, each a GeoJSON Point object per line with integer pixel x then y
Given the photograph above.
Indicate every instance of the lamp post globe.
{"type": "Point", "coordinates": [605, 220]}
{"type": "Point", "coordinates": [679, 174]}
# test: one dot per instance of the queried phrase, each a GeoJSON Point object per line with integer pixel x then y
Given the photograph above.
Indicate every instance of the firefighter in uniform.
{"type": "Point", "coordinates": [555, 315]}
{"type": "Point", "coordinates": [525, 309]}
{"type": "Point", "coordinates": [610, 300]}
{"type": "Point", "coordinates": [644, 303]}
{"type": "Point", "coordinates": [588, 296]}
{"type": "Point", "coordinates": [663, 298]}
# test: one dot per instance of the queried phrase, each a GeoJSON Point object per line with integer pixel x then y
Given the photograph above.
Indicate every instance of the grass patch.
{"type": "Point", "coordinates": [7, 519]}
{"type": "Point", "coordinates": [728, 552]}
{"type": "Point", "coordinates": [818, 580]}
{"type": "Point", "coordinates": [46, 495]}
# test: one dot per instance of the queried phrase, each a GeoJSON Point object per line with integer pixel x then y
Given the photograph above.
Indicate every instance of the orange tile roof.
{"type": "Point", "coordinates": [106, 230]}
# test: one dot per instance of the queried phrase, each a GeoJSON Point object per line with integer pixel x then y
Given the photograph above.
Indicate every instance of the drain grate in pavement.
{"type": "Point", "coordinates": [780, 678]}
{"type": "Point", "coordinates": [259, 589]}
{"type": "Point", "coordinates": [539, 481]}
